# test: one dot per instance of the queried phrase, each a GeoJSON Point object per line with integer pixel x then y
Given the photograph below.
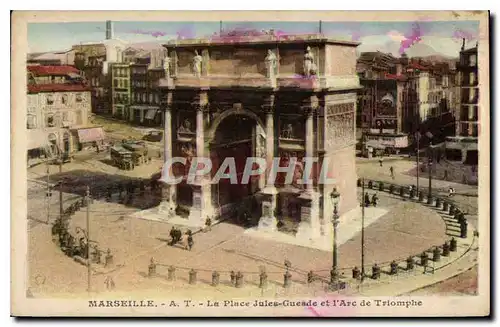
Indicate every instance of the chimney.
{"type": "Point", "coordinates": [109, 30]}
{"type": "Point", "coordinates": [463, 44]}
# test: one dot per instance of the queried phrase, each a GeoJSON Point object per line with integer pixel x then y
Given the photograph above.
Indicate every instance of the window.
{"type": "Point", "coordinates": [157, 98]}
{"type": "Point", "coordinates": [79, 97]}
{"type": "Point", "coordinates": [65, 116]}
{"type": "Point", "coordinates": [144, 99]}
{"type": "Point", "coordinates": [472, 60]}
{"type": "Point", "coordinates": [50, 99]}
{"type": "Point", "coordinates": [125, 83]}
{"type": "Point", "coordinates": [151, 98]}
{"type": "Point", "coordinates": [472, 78]}
{"type": "Point", "coordinates": [31, 123]}
{"type": "Point", "coordinates": [50, 121]}
{"type": "Point", "coordinates": [64, 99]}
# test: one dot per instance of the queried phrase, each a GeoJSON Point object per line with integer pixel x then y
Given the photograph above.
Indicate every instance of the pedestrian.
{"type": "Point", "coordinates": [374, 199]}
{"type": "Point", "coordinates": [172, 236]}
{"type": "Point", "coordinates": [451, 192]}
{"type": "Point", "coordinates": [380, 160]}
{"type": "Point", "coordinates": [392, 172]}
{"type": "Point", "coordinates": [208, 224]}
{"type": "Point", "coordinates": [190, 242]}
{"type": "Point", "coordinates": [445, 174]}
{"type": "Point", "coordinates": [367, 200]}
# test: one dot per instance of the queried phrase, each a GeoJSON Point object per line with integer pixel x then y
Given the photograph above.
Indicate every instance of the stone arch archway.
{"type": "Point", "coordinates": [236, 134]}
{"type": "Point", "coordinates": [227, 113]}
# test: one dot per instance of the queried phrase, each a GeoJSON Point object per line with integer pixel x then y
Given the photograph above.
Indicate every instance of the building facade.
{"type": "Point", "coordinates": [58, 106]}
{"type": "Point", "coordinates": [463, 145]}
{"type": "Point", "coordinates": [381, 103]}
{"type": "Point", "coordinates": [267, 97]}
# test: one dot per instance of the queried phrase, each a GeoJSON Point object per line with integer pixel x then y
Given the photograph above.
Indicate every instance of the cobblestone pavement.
{"type": "Point", "coordinates": [463, 284]}
{"type": "Point", "coordinates": [408, 228]}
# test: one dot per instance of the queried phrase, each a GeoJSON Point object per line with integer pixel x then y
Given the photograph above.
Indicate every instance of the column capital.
{"type": "Point", "coordinates": [309, 110]}
{"type": "Point", "coordinates": [201, 107]}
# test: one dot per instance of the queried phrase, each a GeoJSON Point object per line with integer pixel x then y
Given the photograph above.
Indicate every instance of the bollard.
{"type": "Point", "coordinates": [410, 263]}
{"type": "Point", "coordinates": [192, 277]}
{"type": "Point", "coordinates": [375, 272]}
{"type": "Point", "coordinates": [233, 278]}
{"type": "Point", "coordinates": [436, 254]}
{"type": "Point", "coordinates": [402, 191]}
{"type": "Point", "coordinates": [310, 277]}
{"type": "Point", "coordinates": [239, 279]}
{"type": "Point", "coordinates": [438, 203]}
{"type": "Point", "coordinates": [108, 260]}
{"type": "Point", "coordinates": [446, 206]}
{"type": "Point", "coordinates": [96, 256]}
{"type": "Point", "coordinates": [370, 184]}
{"type": "Point", "coordinates": [287, 279]}
{"type": "Point", "coordinates": [453, 244]}
{"type": "Point", "coordinates": [394, 268]}
{"type": "Point", "coordinates": [463, 229]}
{"type": "Point", "coordinates": [421, 196]}
{"type": "Point", "coordinates": [452, 210]}
{"type": "Point", "coordinates": [412, 193]}
{"type": "Point", "coordinates": [430, 200]}
{"type": "Point", "coordinates": [446, 249]}
{"type": "Point", "coordinates": [381, 186]}
{"type": "Point", "coordinates": [263, 279]}
{"type": "Point", "coordinates": [152, 268]}
{"type": "Point", "coordinates": [171, 273]}
{"type": "Point", "coordinates": [215, 278]}
{"type": "Point", "coordinates": [424, 259]}
{"type": "Point", "coordinates": [356, 273]}
{"type": "Point", "coordinates": [391, 188]}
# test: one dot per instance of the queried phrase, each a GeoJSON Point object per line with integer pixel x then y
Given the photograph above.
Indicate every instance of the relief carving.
{"type": "Point", "coordinates": [291, 130]}
{"type": "Point", "coordinates": [340, 130]}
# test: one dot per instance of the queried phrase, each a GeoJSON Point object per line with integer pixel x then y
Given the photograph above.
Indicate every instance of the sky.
{"type": "Point", "coordinates": [421, 38]}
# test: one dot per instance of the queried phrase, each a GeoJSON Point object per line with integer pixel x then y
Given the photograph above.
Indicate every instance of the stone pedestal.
{"type": "Point", "coordinates": [167, 205]}
{"type": "Point", "coordinates": [268, 221]}
{"type": "Point", "coordinates": [309, 227]}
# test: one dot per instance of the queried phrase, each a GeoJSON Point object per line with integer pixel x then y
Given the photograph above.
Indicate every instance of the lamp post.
{"type": "Point", "coordinates": [430, 160]}
{"type": "Point", "coordinates": [335, 197]}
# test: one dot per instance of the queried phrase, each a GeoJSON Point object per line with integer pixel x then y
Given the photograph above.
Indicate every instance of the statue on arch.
{"type": "Point", "coordinates": [309, 65]}
{"type": "Point", "coordinates": [271, 63]}
{"type": "Point", "coordinates": [197, 61]}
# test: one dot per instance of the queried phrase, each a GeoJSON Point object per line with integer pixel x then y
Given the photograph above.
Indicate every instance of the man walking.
{"type": "Point", "coordinates": [380, 160]}
{"type": "Point", "coordinates": [208, 224]}
{"type": "Point", "coordinates": [190, 241]}
{"type": "Point", "coordinates": [392, 172]}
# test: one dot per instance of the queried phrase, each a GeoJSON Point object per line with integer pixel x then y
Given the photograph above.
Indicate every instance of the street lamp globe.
{"type": "Point", "coordinates": [335, 197]}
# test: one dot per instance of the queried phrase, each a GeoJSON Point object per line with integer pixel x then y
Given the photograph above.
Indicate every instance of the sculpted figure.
{"type": "Point", "coordinates": [309, 65]}
{"type": "Point", "coordinates": [197, 60]}
{"type": "Point", "coordinates": [271, 63]}
{"type": "Point", "coordinates": [166, 66]}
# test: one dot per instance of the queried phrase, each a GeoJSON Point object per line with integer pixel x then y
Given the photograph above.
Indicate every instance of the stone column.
{"type": "Point", "coordinates": [131, 114]}
{"type": "Point", "coordinates": [309, 227]}
{"type": "Point", "coordinates": [202, 197]}
{"type": "Point", "coordinates": [168, 201]}
{"type": "Point", "coordinates": [268, 221]}
{"type": "Point", "coordinates": [142, 116]}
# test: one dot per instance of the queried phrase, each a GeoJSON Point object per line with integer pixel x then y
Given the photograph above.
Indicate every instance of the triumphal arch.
{"type": "Point", "coordinates": [261, 96]}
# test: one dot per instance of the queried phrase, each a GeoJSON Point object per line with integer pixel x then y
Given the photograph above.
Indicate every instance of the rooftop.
{"type": "Point", "coordinates": [256, 37]}
{"type": "Point", "coordinates": [36, 88]}
{"type": "Point", "coordinates": [52, 70]}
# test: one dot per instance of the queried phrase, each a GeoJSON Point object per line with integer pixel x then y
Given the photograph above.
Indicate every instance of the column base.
{"type": "Point", "coordinates": [166, 209]}
{"type": "Point", "coordinates": [309, 227]}
{"type": "Point", "coordinates": [268, 220]}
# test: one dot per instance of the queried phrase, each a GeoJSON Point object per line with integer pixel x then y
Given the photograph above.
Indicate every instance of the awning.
{"type": "Point", "coordinates": [150, 114]}
{"type": "Point", "coordinates": [90, 134]}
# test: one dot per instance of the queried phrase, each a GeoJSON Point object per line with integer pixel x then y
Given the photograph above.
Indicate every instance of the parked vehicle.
{"type": "Point", "coordinates": [122, 158]}
{"type": "Point", "coordinates": [153, 136]}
